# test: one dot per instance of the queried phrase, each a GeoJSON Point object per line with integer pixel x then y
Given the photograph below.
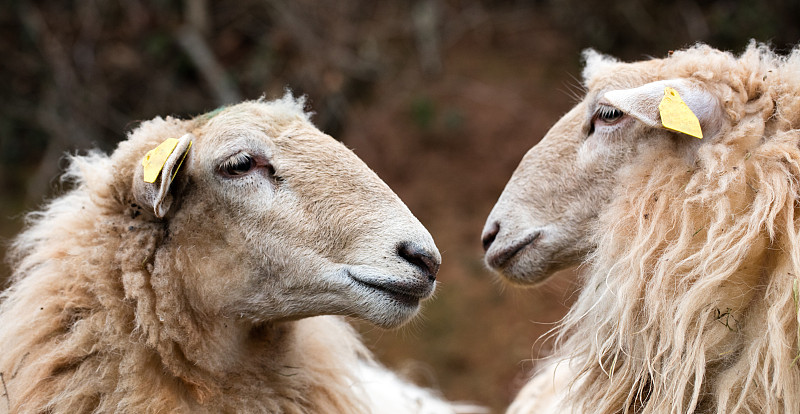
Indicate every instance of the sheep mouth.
{"type": "Point", "coordinates": [502, 257]}
{"type": "Point", "coordinates": [400, 297]}
{"type": "Point", "coordinates": [406, 292]}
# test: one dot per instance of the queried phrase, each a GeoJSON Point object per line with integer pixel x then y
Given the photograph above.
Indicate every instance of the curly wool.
{"type": "Point", "coordinates": [690, 303]}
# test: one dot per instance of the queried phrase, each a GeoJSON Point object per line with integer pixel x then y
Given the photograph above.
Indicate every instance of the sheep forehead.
{"type": "Point", "coordinates": [296, 147]}
{"type": "Point", "coordinates": [266, 124]}
{"type": "Point", "coordinates": [289, 139]}
{"type": "Point", "coordinates": [268, 117]}
{"type": "Point", "coordinates": [623, 75]}
{"type": "Point", "coordinates": [283, 109]}
{"type": "Point", "coordinates": [699, 62]}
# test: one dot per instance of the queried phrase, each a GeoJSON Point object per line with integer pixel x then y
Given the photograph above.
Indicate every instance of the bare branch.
{"type": "Point", "coordinates": [425, 17]}
{"type": "Point", "coordinates": [190, 38]}
{"type": "Point", "coordinates": [197, 15]}
{"type": "Point", "coordinates": [192, 42]}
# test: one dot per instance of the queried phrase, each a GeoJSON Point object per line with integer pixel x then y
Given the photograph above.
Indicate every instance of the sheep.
{"type": "Point", "coordinates": [218, 282]}
{"type": "Point", "coordinates": [690, 248]}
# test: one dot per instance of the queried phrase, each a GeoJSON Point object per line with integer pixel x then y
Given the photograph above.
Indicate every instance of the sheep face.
{"type": "Point", "coordinates": [542, 221]}
{"type": "Point", "coordinates": [539, 224]}
{"type": "Point", "coordinates": [276, 221]}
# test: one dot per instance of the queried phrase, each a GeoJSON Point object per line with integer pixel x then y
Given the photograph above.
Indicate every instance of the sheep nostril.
{"type": "Point", "coordinates": [489, 235]}
{"type": "Point", "coordinates": [420, 258]}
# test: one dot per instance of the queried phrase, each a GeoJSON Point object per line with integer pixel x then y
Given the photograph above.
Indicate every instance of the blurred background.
{"type": "Point", "coordinates": [440, 97]}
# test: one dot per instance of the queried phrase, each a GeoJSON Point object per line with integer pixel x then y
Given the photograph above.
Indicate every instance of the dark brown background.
{"type": "Point", "coordinates": [441, 97]}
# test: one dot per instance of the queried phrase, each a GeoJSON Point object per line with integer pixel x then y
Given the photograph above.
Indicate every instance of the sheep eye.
{"type": "Point", "coordinates": [608, 114]}
{"type": "Point", "coordinates": [238, 165]}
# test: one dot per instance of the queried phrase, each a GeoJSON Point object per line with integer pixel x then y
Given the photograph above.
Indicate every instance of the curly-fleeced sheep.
{"type": "Point", "coordinates": [692, 246]}
{"type": "Point", "coordinates": [202, 291]}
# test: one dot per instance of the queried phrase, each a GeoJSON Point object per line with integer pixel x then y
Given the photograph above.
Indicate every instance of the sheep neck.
{"type": "Point", "coordinates": [687, 284]}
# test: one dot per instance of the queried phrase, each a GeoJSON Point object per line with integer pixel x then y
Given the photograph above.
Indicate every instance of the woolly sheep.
{"type": "Point", "coordinates": [203, 291]}
{"type": "Point", "coordinates": [691, 246]}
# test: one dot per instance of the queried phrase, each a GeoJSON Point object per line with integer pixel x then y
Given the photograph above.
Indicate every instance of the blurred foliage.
{"type": "Point", "coordinates": [631, 28]}
{"type": "Point", "coordinates": [76, 73]}
{"type": "Point", "coordinates": [423, 110]}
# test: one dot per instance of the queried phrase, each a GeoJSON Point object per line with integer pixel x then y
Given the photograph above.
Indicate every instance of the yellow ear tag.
{"type": "Point", "coordinates": [155, 159]}
{"type": "Point", "coordinates": [677, 116]}
{"type": "Point", "coordinates": [185, 153]}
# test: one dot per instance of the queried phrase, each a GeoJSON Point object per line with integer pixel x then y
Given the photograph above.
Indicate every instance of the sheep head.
{"type": "Point", "coordinates": [268, 219]}
{"type": "Point", "coordinates": [543, 219]}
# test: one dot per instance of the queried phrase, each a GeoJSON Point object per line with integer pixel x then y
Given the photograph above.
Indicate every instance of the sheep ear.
{"type": "Point", "coordinates": [643, 104]}
{"type": "Point", "coordinates": [154, 175]}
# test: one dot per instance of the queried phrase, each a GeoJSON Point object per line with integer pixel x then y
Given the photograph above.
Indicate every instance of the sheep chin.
{"type": "Point", "coordinates": [533, 256]}
{"type": "Point", "coordinates": [528, 273]}
{"type": "Point", "coordinates": [389, 300]}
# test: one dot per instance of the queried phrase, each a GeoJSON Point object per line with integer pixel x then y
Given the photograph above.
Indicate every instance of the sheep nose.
{"type": "Point", "coordinates": [421, 258]}
{"type": "Point", "coordinates": [489, 235]}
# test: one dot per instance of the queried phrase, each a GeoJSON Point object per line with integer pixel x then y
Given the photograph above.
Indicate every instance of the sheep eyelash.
{"type": "Point", "coordinates": [243, 163]}
{"type": "Point", "coordinates": [236, 160]}
{"type": "Point", "coordinates": [237, 165]}
{"type": "Point", "coordinates": [607, 113]}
